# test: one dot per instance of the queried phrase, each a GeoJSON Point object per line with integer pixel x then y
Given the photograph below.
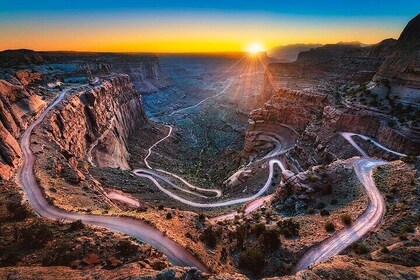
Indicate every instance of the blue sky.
{"type": "Point", "coordinates": [299, 7]}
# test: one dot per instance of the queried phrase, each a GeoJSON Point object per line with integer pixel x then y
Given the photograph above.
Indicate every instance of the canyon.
{"type": "Point", "coordinates": [232, 166]}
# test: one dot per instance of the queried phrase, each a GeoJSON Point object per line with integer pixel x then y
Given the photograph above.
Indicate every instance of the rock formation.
{"type": "Point", "coordinates": [375, 125]}
{"type": "Point", "coordinates": [144, 71]}
{"type": "Point", "coordinates": [97, 121]}
{"type": "Point", "coordinates": [401, 71]}
{"type": "Point", "coordinates": [18, 104]}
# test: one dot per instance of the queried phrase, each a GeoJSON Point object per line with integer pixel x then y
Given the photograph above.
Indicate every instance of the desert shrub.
{"type": "Point", "coordinates": [18, 211]}
{"type": "Point", "coordinates": [258, 229]}
{"type": "Point", "coordinates": [188, 235]}
{"type": "Point", "coordinates": [327, 189]}
{"type": "Point", "coordinates": [403, 236]}
{"type": "Point", "coordinates": [408, 228]}
{"type": "Point", "coordinates": [126, 248]}
{"type": "Point", "coordinates": [256, 216]}
{"type": "Point", "coordinates": [329, 227]}
{"type": "Point", "coordinates": [168, 215]}
{"type": "Point", "coordinates": [346, 219]}
{"type": "Point", "coordinates": [270, 239]}
{"type": "Point", "coordinates": [359, 248]}
{"type": "Point", "coordinates": [35, 236]}
{"type": "Point", "coordinates": [160, 207]}
{"type": "Point", "coordinates": [324, 212]}
{"type": "Point", "coordinates": [240, 234]}
{"type": "Point", "coordinates": [8, 257]}
{"type": "Point", "coordinates": [392, 123]}
{"type": "Point", "coordinates": [310, 211]}
{"type": "Point", "coordinates": [223, 254]}
{"type": "Point", "coordinates": [252, 259]}
{"type": "Point", "coordinates": [384, 249]}
{"type": "Point", "coordinates": [70, 175]}
{"type": "Point", "coordinates": [76, 225]}
{"type": "Point", "coordinates": [288, 228]}
{"type": "Point", "coordinates": [313, 178]}
{"type": "Point", "coordinates": [61, 254]}
{"type": "Point", "coordinates": [209, 237]}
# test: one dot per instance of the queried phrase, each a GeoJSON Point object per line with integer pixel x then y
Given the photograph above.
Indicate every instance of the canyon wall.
{"type": "Point", "coordinates": [281, 119]}
{"type": "Point", "coordinates": [374, 125]}
{"type": "Point", "coordinates": [401, 71]}
{"type": "Point", "coordinates": [96, 122]}
{"type": "Point", "coordinates": [144, 71]}
{"type": "Point", "coordinates": [19, 103]}
{"type": "Point", "coordinates": [290, 107]}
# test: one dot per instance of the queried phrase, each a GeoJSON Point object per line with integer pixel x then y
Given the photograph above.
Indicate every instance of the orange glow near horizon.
{"type": "Point", "coordinates": [177, 34]}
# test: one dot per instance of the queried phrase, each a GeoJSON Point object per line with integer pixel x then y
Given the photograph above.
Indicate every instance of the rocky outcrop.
{"type": "Point", "coordinates": [380, 50]}
{"type": "Point", "coordinates": [144, 71]}
{"type": "Point", "coordinates": [329, 52]}
{"type": "Point", "coordinates": [401, 71]}
{"type": "Point", "coordinates": [290, 107]}
{"type": "Point", "coordinates": [21, 56]}
{"type": "Point", "coordinates": [97, 122]}
{"type": "Point", "coordinates": [278, 121]}
{"type": "Point", "coordinates": [294, 76]}
{"type": "Point", "coordinates": [375, 125]}
{"type": "Point", "coordinates": [25, 77]}
{"type": "Point", "coordinates": [18, 104]}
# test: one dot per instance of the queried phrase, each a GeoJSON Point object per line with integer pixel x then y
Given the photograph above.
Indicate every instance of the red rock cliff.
{"type": "Point", "coordinates": [94, 123]}
{"type": "Point", "coordinates": [18, 104]}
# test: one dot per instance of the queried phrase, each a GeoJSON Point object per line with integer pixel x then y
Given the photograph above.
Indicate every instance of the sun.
{"type": "Point", "coordinates": [255, 48]}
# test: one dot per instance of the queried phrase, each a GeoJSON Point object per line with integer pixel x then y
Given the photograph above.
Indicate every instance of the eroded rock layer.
{"type": "Point", "coordinates": [18, 104]}
{"type": "Point", "coordinates": [401, 71]}
{"type": "Point", "coordinates": [97, 121]}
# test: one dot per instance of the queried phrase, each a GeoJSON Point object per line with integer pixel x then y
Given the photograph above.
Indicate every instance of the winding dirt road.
{"type": "Point", "coordinates": [177, 254]}
{"type": "Point", "coordinates": [366, 222]}
{"type": "Point", "coordinates": [146, 173]}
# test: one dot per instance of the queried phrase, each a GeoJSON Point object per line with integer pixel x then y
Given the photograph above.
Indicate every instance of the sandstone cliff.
{"type": "Point", "coordinates": [97, 121]}
{"type": "Point", "coordinates": [144, 71]}
{"type": "Point", "coordinates": [375, 125]}
{"type": "Point", "coordinates": [18, 104]}
{"type": "Point", "coordinates": [401, 71]}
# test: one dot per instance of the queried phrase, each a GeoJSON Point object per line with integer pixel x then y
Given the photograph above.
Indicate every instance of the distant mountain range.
{"type": "Point", "coordinates": [290, 52]}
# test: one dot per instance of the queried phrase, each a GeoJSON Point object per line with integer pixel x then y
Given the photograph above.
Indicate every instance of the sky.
{"type": "Point", "coordinates": [162, 26]}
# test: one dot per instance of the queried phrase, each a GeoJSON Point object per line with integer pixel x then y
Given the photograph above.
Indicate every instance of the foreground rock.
{"type": "Point", "coordinates": [344, 267]}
